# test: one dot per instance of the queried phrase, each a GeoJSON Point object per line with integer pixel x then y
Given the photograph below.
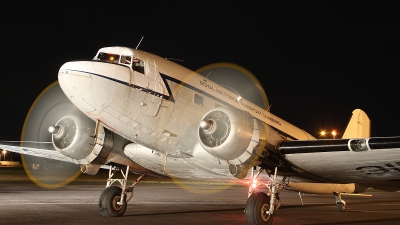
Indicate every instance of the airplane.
{"type": "Point", "coordinates": [142, 113]}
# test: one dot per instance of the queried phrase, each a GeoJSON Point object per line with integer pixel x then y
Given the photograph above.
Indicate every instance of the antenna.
{"type": "Point", "coordinates": [269, 108]}
{"type": "Point", "coordinates": [208, 74]}
{"type": "Point", "coordinates": [139, 42]}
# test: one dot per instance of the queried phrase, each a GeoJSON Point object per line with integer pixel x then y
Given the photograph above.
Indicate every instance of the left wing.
{"type": "Point", "coordinates": [346, 160]}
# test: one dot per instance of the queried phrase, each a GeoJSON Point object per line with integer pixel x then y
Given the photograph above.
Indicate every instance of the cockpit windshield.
{"type": "Point", "coordinates": [135, 63]}
{"type": "Point", "coordinates": [107, 57]}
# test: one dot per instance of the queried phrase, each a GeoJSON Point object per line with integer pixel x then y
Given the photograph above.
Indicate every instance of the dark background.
{"type": "Point", "coordinates": [317, 60]}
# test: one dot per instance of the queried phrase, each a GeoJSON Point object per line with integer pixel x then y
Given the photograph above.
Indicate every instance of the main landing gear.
{"type": "Point", "coordinates": [260, 206]}
{"type": "Point", "coordinates": [112, 201]}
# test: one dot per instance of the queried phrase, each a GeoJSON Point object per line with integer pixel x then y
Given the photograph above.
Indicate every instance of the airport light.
{"type": "Point", "coordinates": [4, 153]}
{"type": "Point", "coordinates": [334, 134]}
{"type": "Point", "coordinates": [323, 133]}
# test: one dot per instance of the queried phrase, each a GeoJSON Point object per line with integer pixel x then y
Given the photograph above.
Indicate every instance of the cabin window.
{"type": "Point", "coordinates": [198, 99]}
{"type": "Point", "coordinates": [138, 65]}
{"type": "Point", "coordinates": [107, 57]}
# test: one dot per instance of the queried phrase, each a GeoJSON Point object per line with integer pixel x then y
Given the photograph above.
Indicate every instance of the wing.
{"type": "Point", "coordinates": [345, 160]}
{"type": "Point", "coordinates": [43, 153]}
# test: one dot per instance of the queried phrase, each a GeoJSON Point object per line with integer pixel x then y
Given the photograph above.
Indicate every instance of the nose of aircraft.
{"type": "Point", "coordinates": [74, 79]}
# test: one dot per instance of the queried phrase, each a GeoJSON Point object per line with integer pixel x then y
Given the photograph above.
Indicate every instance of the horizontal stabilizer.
{"type": "Point", "coordinates": [359, 126]}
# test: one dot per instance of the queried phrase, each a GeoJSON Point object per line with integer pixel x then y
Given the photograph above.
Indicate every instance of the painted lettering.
{"type": "Point", "coordinates": [373, 170]}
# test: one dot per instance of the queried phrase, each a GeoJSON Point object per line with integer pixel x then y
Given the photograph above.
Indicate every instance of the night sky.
{"type": "Point", "coordinates": [317, 61]}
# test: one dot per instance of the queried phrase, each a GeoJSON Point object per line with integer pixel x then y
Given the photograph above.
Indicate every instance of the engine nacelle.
{"type": "Point", "coordinates": [236, 136]}
{"type": "Point", "coordinates": [86, 142]}
{"type": "Point", "coordinates": [226, 133]}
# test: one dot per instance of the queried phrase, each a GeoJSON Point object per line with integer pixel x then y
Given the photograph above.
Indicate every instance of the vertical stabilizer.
{"type": "Point", "coordinates": [359, 126]}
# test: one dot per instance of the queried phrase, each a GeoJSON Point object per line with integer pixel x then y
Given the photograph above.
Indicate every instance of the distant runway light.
{"type": "Point", "coordinates": [334, 134]}
{"type": "Point", "coordinates": [323, 133]}
{"type": "Point", "coordinates": [4, 153]}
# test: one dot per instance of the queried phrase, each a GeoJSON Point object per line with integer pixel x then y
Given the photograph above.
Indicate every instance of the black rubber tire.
{"type": "Point", "coordinates": [108, 202]}
{"type": "Point", "coordinates": [256, 206]}
{"type": "Point", "coordinates": [101, 198]}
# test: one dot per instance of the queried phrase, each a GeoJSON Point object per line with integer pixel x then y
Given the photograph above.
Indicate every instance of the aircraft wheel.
{"type": "Point", "coordinates": [108, 202]}
{"type": "Point", "coordinates": [341, 206]}
{"type": "Point", "coordinates": [256, 207]}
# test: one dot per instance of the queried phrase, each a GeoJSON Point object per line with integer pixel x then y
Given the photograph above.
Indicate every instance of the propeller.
{"type": "Point", "coordinates": [49, 107]}
{"type": "Point", "coordinates": [241, 82]}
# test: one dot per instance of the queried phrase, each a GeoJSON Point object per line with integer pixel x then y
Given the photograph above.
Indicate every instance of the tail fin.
{"type": "Point", "coordinates": [359, 126]}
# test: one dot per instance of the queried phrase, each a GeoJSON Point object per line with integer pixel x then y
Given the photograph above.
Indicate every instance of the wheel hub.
{"type": "Point", "coordinates": [264, 209]}
{"type": "Point", "coordinates": [115, 203]}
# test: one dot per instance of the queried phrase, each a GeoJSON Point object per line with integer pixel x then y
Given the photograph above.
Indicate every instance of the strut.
{"type": "Point", "coordinates": [113, 201]}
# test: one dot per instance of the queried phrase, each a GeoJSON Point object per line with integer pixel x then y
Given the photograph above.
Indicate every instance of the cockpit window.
{"type": "Point", "coordinates": [126, 60]}
{"type": "Point", "coordinates": [107, 57]}
{"type": "Point", "coordinates": [138, 65]}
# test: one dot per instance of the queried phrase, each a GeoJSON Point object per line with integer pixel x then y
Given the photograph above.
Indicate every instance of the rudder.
{"type": "Point", "coordinates": [359, 126]}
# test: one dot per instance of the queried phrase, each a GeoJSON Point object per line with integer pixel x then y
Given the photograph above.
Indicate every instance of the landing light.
{"type": "Point", "coordinates": [254, 184]}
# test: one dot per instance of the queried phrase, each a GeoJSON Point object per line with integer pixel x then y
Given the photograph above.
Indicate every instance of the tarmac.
{"type": "Point", "coordinates": [165, 202]}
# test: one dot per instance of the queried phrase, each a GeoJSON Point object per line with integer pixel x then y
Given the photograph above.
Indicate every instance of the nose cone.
{"type": "Point", "coordinates": [75, 78]}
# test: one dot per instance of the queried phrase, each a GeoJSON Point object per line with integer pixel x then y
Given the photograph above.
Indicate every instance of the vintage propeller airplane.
{"type": "Point", "coordinates": [133, 111]}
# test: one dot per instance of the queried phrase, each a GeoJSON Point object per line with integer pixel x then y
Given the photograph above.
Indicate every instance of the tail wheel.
{"type": "Point", "coordinates": [108, 202]}
{"type": "Point", "coordinates": [256, 209]}
{"type": "Point", "coordinates": [341, 206]}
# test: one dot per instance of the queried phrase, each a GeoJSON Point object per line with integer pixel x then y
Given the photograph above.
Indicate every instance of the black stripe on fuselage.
{"type": "Point", "coordinates": [166, 97]}
{"type": "Point", "coordinates": [170, 96]}
{"type": "Point", "coordinates": [314, 146]}
{"type": "Point", "coordinates": [166, 77]}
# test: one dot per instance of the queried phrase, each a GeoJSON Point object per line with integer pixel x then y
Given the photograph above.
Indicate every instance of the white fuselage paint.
{"type": "Point", "coordinates": [157, 110]}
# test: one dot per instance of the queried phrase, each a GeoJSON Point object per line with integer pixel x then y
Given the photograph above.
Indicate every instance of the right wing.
{"type": "Point", "coordinates": [43, 153]}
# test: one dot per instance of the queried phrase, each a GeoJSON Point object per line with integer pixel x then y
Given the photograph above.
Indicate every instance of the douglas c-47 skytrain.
{"type": "Point", "coordinates": [141, 113]}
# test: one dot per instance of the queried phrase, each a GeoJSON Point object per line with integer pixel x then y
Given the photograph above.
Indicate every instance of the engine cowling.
{"type": "Point", "coordinates": [86, 142]}
{"type": "Point", "coordinates": [236, 136]}
{"type": "Point", "coordinates": [72, 136]}
{"type": "Point", "coordinates": [226, 133]}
